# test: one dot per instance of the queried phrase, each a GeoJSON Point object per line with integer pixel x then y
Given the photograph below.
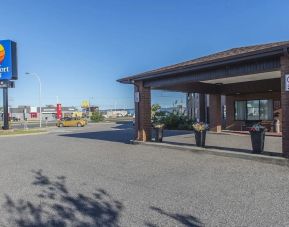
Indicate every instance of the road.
{"type": "Point", "coordinates": [92, 176]}
{"type": "Point", "coordinates": [21, 125]}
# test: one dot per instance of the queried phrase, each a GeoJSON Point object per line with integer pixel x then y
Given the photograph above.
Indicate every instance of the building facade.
{"type": "Point", "coordinates": [254, 81]}
{"type": "Point", "coordinates": [31, 113]}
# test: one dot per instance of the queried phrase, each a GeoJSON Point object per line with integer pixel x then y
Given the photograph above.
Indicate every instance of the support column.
{"type": "Point", "coordinates": [230, 112]}
{"type": "Point", "coordinates": [285, 106]}
{"type": "Point", "coordinates": [190, 106]}
{"type": "Point", "coordinates": [202, 107]}
{"type": "Point", "coordinates": [136, 112]}
{"type": "Point", "coordinates": [143, 113]}
{"type": "Point", "coordinates": [215, 113]}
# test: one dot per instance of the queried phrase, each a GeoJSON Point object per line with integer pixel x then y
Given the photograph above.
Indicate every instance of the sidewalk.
{"type": "Point", "coordinates": [224, 141]}
{"type": "Point", "coordinates": [223, 144]}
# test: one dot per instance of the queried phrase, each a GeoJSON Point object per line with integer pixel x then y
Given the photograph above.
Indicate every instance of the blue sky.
{"type": "Point", "coordinates": [80, 48]}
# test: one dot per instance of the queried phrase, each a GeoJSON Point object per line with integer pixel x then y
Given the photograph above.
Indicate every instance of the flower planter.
{"type": "Point", "coordinates": [200, 137]}
{"type": "Point", "coordinates": [159, 134]}
{"type": "Point", "coordinates": [258, 139]}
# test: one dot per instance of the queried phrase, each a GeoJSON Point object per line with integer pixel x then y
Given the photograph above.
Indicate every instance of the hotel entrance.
{"type": "Point", "coordinates": [252, 79]}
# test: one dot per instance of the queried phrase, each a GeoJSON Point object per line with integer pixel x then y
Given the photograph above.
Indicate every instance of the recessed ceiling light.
{"type": "Point", "coordinates": [270, 90]}
{"type": "Point", "coordinates": [237, 93]}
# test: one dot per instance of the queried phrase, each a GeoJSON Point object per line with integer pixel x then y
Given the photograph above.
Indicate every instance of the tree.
{"type": "Point", "coordinates": [96, 116]}
{"type": "Point", "coordinates": [155, 108]}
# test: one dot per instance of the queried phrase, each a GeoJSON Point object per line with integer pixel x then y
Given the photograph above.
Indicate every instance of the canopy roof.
{"type": "Point", "coordinates": [234, 55]}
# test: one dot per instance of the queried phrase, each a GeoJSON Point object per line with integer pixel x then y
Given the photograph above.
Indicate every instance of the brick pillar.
{"type": "Point", "coordinates": [215, 113]}
{"type": "Point", "coordinates": [143, 113]}
{"type": "Point", "coordinates": [202, 106]}
{"type": "Point", "coordinates": [285, 106]}
{"type": "Point", "coordinates": [189, 105]}
{"type": "Point", "coordinates": [230, 112]}
{"type": "Point", "coordinates": [136, 110]}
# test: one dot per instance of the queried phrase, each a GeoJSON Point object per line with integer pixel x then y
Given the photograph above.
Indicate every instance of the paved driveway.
{"type": "Point", "coordinates": [92, 177]}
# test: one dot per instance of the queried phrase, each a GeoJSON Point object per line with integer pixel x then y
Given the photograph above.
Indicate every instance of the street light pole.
{"type": "Point", "coordinates": [40, 90]}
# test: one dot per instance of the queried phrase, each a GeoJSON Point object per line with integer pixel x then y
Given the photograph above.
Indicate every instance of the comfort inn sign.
{"type": "Point", "coordinates": [8, 60]}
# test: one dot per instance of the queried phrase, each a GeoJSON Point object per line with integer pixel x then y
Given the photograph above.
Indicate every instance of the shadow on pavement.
{"type": "Point", "coordinates": [122, 132]}
{"type": "Point", "coordinates": [186, 220]}
{"type": "Point", "coordinates": [121, 136]}
{"type": "Point", "coordinates": [168, 133]}
{"type": "Point", "coordinates": [59, 207]}
{"type": "Point", "coordinates": [124, 125]}
{"type": "Point", "coordinates": [268, 153]}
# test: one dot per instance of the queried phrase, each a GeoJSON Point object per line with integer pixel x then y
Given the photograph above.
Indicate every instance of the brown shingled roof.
{"type": "Point", "coordinates": [235, 52]}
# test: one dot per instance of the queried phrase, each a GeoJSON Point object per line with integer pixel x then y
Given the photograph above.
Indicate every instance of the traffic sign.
{"type": "Point", "coordinates": [7, 84]}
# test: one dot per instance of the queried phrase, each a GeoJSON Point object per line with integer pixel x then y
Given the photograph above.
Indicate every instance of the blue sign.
{"type": "Point", "coordinates": [8, 60]}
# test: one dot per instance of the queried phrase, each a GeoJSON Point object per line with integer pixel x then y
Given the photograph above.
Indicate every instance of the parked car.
{"type": "Point", "coordinates": [14, 119]}
{"type": "Point", "coordinates": [70, 122]}
{"type": "Point", "coordinates": [84, 119]}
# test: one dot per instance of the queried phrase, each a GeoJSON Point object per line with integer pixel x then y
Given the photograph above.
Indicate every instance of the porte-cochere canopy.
{"type": "Point", "coordinates": [252, 72]}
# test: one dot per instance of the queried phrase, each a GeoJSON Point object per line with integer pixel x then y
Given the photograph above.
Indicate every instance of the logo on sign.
{"type": "Point", "coordinates": [2, 53]}
{"type": "Point", "coordinates": [2, 58]}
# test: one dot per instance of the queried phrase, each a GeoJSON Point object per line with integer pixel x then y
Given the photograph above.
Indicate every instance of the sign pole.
{"type": "Point", "coordinates": [5, 108]}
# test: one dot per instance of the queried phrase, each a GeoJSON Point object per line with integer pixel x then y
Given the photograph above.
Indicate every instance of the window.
{"type": "Point", "coordinates": [254, 110]}
{"type": "Point", "coordinates": [240, 110]}
{"type": "Point", "coordinates": [266, 109]}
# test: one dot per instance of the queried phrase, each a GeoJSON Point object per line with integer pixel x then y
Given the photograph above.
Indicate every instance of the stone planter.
{"type": "Point", "coordinates": [257, 139]}
{"type": "Point", "coordinates": [200, 138]}
{"type": "Point", "coordinates": [159, 134]}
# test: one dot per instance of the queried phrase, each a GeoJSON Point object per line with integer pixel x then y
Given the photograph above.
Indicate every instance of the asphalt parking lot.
{"type": "Point", "coordinates": [92, 176]}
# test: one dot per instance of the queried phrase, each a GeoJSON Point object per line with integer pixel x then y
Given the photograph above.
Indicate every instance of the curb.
{"type": "Point", "coordinates": [28, 134]}
{"type": "Point", "coordinates": [232, 154]}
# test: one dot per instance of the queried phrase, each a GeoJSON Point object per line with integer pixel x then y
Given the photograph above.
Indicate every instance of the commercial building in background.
{"type": "Point", "coordinates": [87, 111]}
{"type": "Point", "coordinates": [115, 113]}
{"type": "Point", "coordinates": [31, 113]}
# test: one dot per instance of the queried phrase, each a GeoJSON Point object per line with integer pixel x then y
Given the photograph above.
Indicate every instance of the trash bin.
{"type": "Point", "coordinates": [276, 125]}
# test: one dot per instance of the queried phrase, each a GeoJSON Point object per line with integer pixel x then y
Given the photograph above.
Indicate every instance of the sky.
{"type": "Point", "coordinates": [80, 48]}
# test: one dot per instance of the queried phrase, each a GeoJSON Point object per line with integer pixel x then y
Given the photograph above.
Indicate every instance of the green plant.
{"type": "Point", "coordinates": [96, 117]}
{"type": "Point", "coordinates": [154, 110]}
{"type": "Point", "coordinates": [200, 126]}
{"type": "Point", "coordinates": [176, 121]}
{"type": "Point", "coordinates": [158, 125]}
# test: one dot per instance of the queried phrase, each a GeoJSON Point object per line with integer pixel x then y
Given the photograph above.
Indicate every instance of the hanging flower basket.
{"type": "Point", "coordinates": [159, 131]}
{"type": "Point", "coordinates": [257, 133]}
{"type": "Point", "coordinates": [200, 129]}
